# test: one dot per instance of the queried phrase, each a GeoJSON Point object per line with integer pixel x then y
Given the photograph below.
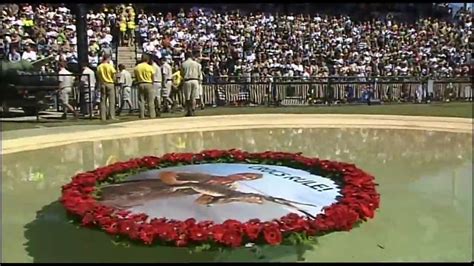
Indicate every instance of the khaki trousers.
{"type": "Point", "coordinates": [146, 92]}
{"type": "Point", "coordinates": [107, 92]}
{"type": "Point", "coordinates": [190, 89]}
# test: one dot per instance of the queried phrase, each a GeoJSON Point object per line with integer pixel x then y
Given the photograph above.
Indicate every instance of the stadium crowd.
{"type": "Point", "coordinates": [250, 45]}
{"type": "Point", "coordinates": [310, 46]}
{"type": "Point", "coordinates": [32, 32]}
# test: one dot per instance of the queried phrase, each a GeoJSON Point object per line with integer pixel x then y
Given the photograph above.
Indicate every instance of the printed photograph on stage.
{"type": "Point", "coordinates": [218, 192]}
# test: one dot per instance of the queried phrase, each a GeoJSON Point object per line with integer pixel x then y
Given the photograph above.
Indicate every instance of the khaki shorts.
{"type": "Point", "coordinates": [167, 89]}
{"type": "Point", "coordinates": [64, 95]}
{"type": "Point", "coordinates": [157, 88]}
{"type": "Point", "coordinates": [190, 89]}
{"type": "Point", "coordinates": [199, 91]}
{"type": "Point", "coordinates": [126, 94]}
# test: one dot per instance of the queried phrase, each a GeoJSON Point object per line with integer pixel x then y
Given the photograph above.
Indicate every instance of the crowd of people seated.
{"type": "Point", "coordinates": [253, 45]}
{"type": "Point", "coordinates": [32, 32]}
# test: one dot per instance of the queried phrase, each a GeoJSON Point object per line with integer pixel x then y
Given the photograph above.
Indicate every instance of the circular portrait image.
{"type": "Point", "coordinates": [221, 191]}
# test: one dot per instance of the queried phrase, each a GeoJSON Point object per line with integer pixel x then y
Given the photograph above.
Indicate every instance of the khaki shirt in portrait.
{"type": "Point", "coordinates": [191, 70]}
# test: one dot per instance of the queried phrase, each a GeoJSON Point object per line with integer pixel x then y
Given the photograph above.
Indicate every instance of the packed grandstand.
{"type": "Point", "coordinates": [250, 44]}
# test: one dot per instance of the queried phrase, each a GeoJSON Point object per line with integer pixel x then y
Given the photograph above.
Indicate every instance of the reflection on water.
{"type": "Point", "coordinates": [425, 180]}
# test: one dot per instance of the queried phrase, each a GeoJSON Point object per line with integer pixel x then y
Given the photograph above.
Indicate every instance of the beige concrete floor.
{"type": "Point", "coordinates": [31, 139]}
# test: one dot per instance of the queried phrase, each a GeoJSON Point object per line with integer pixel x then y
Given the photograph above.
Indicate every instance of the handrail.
{"type": "Point", "coordinates": [335, 79]}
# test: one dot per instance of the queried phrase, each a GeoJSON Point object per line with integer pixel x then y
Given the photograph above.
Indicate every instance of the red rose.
{"type": "Point", "coordinates": [367, 211]}
{"type": "Point", "coordinates": [190, 222]}
{"type": "Point", "coordinates": [125, 226]}
{"type": "Point", "coordinates": [214, 154]}
{"type": "Point", "coordinates": [111, 228]}
{"type": "Point", "coordinates": [166, 232]}
{"type": "Point", "coordinates": [233, 225]}
{"type": "Point", "coordinates": [150, 161]}
{"type": "Point", "coordinates": [88, 219]}
{"type": "Point", "coordinates": [197, 234]}
{"type": "Point", "coordinates": [147, 234]}
{"type": "Point", "coordinates": [232, 238]}
{"type": "Point", "coordinates": [217, 232]}
{"type": "Point", "coordinates": [253, 230]}
{"type": "Point", "coordinates": [238, 155]}
{"type": "Point", "coordinates": [198, 157]}
{"type": "Point", "coordinates": [205, 224]}
{"type": "Point", "coordinates": [272, 235]}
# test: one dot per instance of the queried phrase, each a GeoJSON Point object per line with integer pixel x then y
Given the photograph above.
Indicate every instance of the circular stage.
{"type": "Point", "coordinates": [424, 177]}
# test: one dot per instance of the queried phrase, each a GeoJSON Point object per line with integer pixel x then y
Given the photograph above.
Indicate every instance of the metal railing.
{"type": "Point", "coordinates": [295, 92]}
{"type": "Point", "coordinates": [328, 90]}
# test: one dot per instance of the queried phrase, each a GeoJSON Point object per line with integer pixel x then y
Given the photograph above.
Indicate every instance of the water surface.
{"type": "Point", "coordinates": [425, 184]}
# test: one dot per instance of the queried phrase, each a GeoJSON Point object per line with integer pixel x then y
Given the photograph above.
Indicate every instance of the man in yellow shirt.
{"type": "Point", "coordinates": [176, 92]}
{"type": "Point", "coordinates": [123, 31]}
{"type": "Point", "coordinates": [144, 73]}
{"type": "Point", "coordinates": [106, 76]}
{"type": "Point", "coordinates": [131, 30]}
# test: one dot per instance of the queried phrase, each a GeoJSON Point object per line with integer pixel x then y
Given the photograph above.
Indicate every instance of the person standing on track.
{"type": "Point", "coordinates": [66, 82]}
{"type": "Point", "coordinates": [126, 82]}
{"type": "Point", "coordinates": [167, 82]}
{"type": "Point", "coordinates": [88, 89]}
{"type": "Point", "coordinates": [192, 74]}
{"type": "Point", "coordinates": [176, 91]}
{"type": "Point", "coordinates": [157, 86]}
{"type": "Point", "coordinates": [144, 73]}
{"type": "Point", "coordinates": [106, 75]}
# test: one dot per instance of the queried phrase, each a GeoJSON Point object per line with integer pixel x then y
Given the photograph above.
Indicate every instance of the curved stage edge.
{"type": "Point", "coordinates": [231, 122]}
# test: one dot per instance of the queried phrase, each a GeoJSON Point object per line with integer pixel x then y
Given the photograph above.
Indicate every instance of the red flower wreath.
{"type": "Point", "coordinates": [358, 202]}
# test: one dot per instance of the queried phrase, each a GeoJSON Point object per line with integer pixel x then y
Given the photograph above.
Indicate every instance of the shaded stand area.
{"type": "Point", "coordinates": [52, 238]}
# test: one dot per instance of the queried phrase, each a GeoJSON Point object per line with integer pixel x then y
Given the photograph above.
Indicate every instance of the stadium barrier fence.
{"type": "Point", "coordinates": [307, 92]}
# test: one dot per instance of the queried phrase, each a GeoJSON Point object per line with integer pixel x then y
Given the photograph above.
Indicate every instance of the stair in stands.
{"type": "Point", "coordinates": [127, 56]}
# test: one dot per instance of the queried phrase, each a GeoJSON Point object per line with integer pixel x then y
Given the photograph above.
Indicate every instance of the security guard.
{"type": "Point", "coordinates": [106, 75]}
{"type": "Point", "coordinates": [144, 73]}
{"type": "Point", "coordinates": [167, 82]}
{"type": "Point", "coordinates": [157, 85]}
{"type": "Point", "coordinates": [192, 74]}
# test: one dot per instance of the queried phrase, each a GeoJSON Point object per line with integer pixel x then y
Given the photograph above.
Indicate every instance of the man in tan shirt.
{"type": "Point", "coordinates": [192, 74]}
{"type": "Point", "coordinates": [125, 82]}
{"type": "Point", "coordinates": [157, 84]}
{"type": "Point", "coordinates": [167, 82]}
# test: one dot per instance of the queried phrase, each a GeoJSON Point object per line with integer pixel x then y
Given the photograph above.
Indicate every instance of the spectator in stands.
{"type": "Point", "coordinates": [14, 56]}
